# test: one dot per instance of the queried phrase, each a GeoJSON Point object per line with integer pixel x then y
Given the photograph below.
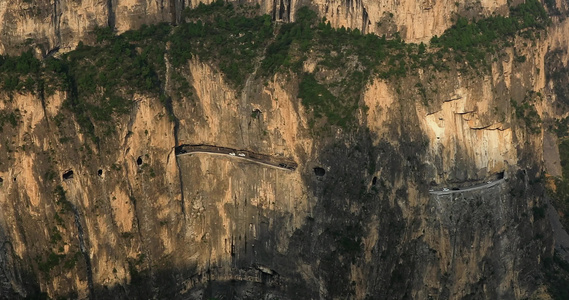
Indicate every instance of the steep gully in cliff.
{"type": "Point", "coordinates": [84, 251]}
{"type": "Point", "coordinates": [560, 234]}
{"type": "Point", "coordinates": [111, 17]}
{"type": "Point", "coordinates": [57, 25]}
{"type": "Point", "coordinates": [177, 7]}
{"type": "Point", "coordinates": [281, 10]}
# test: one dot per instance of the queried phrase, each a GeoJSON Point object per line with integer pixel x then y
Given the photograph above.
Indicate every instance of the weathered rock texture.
{"type": "Point", "coordinates": [62, 24]}
{"type": "Point", "coordinates": [136, 221]}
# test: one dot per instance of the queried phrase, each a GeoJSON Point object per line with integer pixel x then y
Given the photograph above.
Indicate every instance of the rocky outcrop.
{"type": "Point", "coordinates": [135, 219]}
{"type": "Point", "coordinates": [355, 219]}
{"type": "Point", "coordinates": [416, 20]}
{"type": "Point", "coordinates": [59, 25]}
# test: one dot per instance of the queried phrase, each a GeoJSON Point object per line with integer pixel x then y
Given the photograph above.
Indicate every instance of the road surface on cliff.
{"type": "Point", "coordinates": [263, 159]}
{"type": "Point", "coordinates": [469, 189]}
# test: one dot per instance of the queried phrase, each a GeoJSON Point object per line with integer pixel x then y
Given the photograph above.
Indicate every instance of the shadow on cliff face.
{"type": "Point", "coordinates": [557, 73]}
{"type": "Point", "coordinates": [322, 253]}
{"type": "Point", "coordinates": [361, 189]}
{"type": "Point", "coordinates": [16, 280]}
{"type": "Point", "coordinates": [363, 192]}
{"type": "Point", "coordinates": [349, 206]}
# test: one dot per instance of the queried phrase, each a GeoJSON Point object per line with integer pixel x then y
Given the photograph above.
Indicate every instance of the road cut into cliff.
{"type": "Point", "coordinates": [473, 188]}
{"type": "Point", "coordinates": [263, 159]}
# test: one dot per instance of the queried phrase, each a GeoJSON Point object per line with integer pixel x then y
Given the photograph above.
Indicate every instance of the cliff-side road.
{"type": "Point", "coordinates": [469, 189]}
{"type": "Point", "coordinates": [268, 160]}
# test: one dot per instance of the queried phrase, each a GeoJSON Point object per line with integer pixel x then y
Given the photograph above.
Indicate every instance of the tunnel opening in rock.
{"type": "Point", "coordinates": [374, 180]}
{"type": "Point", "coordinates": [139, 161]}
{"type": "Point", "coordinates": [180, 150]}
{"type": "Point", "coordinates": [100, 173]}
{"type": "Point", "coordinates": [501, 175]}
{"type": "Point", "coordinates": [318, 171]}
{"type": "Point", "coordinates": [68, 175]}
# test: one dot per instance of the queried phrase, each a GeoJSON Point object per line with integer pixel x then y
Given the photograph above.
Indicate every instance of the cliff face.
{"type": "Point", "coordinates": [61, 24]}
{"type": "Point", "coordinates": [131, 215]}
{"type": "Point", "coordinates": [415, 21]}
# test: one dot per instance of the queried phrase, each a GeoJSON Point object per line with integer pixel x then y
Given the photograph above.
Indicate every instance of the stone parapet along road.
{"type": "Point", "coordinates": [268, 160]}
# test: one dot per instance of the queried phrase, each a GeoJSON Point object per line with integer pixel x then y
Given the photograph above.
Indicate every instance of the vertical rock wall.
{"type": "Point", "coordinates": [50, 25]}
{"type": "Point", "coordinates": [354, 220]}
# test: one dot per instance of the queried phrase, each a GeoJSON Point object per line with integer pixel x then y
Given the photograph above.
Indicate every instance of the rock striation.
{"type": "Point", "coordinates": [59, 25]}
{"type": "Point", "coordinates": [126, 217]}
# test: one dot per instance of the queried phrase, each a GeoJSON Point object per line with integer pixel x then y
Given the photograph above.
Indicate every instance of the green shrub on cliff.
{"type": "Point", "coordinates": [11, 118]}
{"type": "Point", "coordinates": [316, 97]}
{"type": "Point", "coordinates": [100, 80]}
{"type": "Point", "coordinates": [475, 40]}
{"type": "Point", "coordinates": [526, 112]}
{"type": "Point", "coordinates": [218, 34]}
{"type": "Point", "coordinates": [17, 72]}
{"type": "Point", "coordinates": [300, 33]}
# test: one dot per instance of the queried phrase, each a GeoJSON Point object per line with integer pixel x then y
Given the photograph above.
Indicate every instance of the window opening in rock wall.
{"type": "Point", "coordinates": [68, 175]}
{"type": "Point", "coordinates": [319, 171]}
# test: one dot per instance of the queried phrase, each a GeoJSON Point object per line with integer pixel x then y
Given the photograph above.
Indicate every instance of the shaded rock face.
{"type": "Point", "coordinates": [200, 225]}
{"type": "Point", "coordinates": [59, 25]}
{"type": "Point", "coordinates": [137, 221]}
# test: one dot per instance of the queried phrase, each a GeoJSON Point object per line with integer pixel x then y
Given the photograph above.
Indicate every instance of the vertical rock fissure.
{"type": "Point", "coordinates": [166, 90]}
{"type": "Point", "coordinates": [111, 12]}
{"type": "Point", "coordinates": [181, 9]}
{"type": "Point", "coordinates": [288, 9]}
{"type": "Point", "coordinates": [182, 199]}
{"type": "Point", "coordinates": [85, 253]}
{"type": "Point", "coordinates": [9, 276]}
{"type": "Point", "coordinates": [173, 8]}
{"type": "Point", "coordinates": [247, 90]}
{"type": "Point", "coordinates": [181, 189]}
{"type": "Point", "coordinates": [282, 10]}
{"type": "Point", "coordinates": [365, 20]}
{"type": "Point", "coordinates": [453, 236]}
{"type": "Point", "coordinates": [44, 108]}
{"type": "Point", "coordinates": [135, 208]}
{"type": "Point", "coordinates": [176, 9]}
{"type": "Point", "coordinates": [274, 10]}
{"type": "Point", "coordinates": [56, 24]}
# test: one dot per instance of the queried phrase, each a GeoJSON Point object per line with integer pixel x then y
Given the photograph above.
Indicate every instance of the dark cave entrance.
{"type": "Point", "coordinates": [68, 175]}
{"type": "Point", "coordinates": [318, 171]}
{"type": "Point", "coordinates": [501, 175]}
